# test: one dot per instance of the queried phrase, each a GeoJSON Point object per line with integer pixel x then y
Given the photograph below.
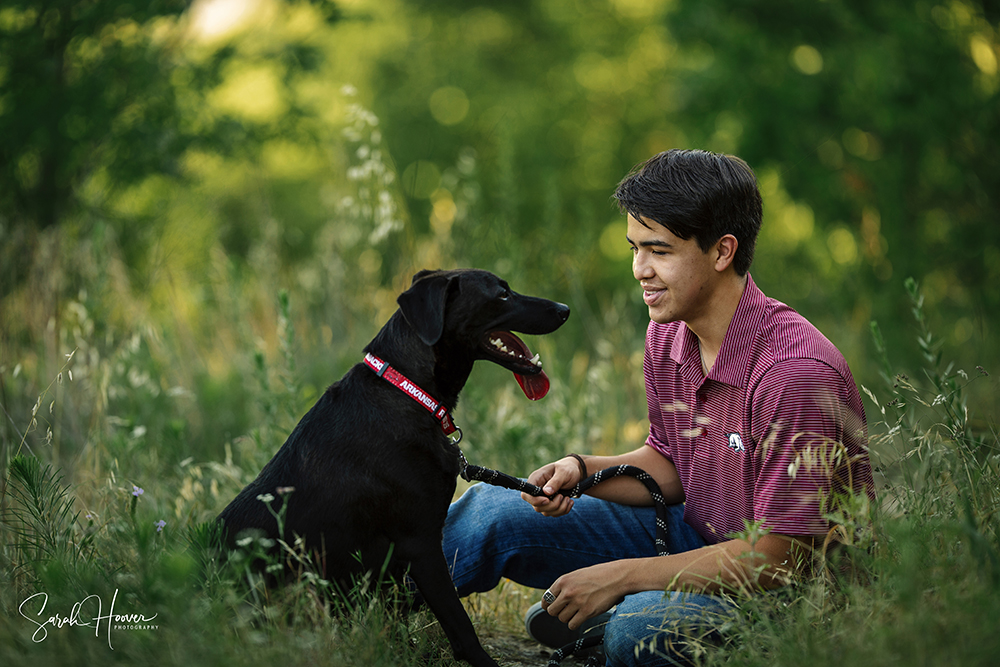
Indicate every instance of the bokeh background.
{"type": "Point", "coordinates": [214, 201]}
{"type": "Point", "coordinates": [208, 208]}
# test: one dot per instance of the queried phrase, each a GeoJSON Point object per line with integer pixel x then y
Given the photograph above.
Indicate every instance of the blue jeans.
{"type": "Point", "coordinates": [491, 533]}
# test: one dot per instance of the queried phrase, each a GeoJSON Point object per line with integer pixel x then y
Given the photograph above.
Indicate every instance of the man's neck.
{"type": "Point", "coordinates": [710, 329]}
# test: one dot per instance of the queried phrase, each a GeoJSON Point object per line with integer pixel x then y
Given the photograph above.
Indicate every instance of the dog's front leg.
{"type": "Point", "coordinates": [429, 570]}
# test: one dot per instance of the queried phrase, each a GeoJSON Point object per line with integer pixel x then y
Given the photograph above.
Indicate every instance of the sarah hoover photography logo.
{"type": "Point", "coordinates": [87, 613]}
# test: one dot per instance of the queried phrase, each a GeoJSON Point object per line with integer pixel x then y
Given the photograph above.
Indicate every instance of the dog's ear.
{"type": "Point", "coordinates": [423, 304]}
{"type": "Point", "coordinates": [423, 273]}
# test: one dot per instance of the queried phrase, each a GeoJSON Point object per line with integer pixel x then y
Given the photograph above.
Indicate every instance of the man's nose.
{"type": "Point", "coordinates": [640, 267]}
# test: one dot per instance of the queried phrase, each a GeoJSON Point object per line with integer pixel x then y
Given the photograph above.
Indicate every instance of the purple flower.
{"type": "Point", "coordinates": [160, 524]}
{"type": "Point", "coordinates": [136, 491]}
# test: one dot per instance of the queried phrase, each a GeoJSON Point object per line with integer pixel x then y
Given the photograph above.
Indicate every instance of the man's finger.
{"type": "Point", "coordinates": [559, 480]}
{"type": "Point", "coordinates": [558, 508]}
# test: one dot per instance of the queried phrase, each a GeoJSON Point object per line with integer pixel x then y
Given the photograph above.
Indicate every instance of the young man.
{"type": "Point", "coordinates": [756, 431]}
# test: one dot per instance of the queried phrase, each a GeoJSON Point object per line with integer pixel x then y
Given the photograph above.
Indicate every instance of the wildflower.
{"type": "Point", "coordinates": [136, 491]}
{"type": "Point", "coordinates": [265, 498]}
{"type": "Point", "coordinates": [159, 525]}
{"type": "Point", "coordinates": [282, 490]}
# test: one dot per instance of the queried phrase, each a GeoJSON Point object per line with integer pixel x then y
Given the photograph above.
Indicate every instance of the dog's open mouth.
{"type": "Point", "coordinates": [509, 351]}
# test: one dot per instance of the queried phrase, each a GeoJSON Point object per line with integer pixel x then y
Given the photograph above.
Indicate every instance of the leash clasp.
{"type": "Point", "coordinates": [463, 465]}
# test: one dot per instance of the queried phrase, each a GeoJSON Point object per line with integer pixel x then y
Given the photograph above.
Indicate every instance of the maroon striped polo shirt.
{"type": "Point", "coordinates": [769, 434]}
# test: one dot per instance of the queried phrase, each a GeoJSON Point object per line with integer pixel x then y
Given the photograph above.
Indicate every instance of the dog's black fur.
{"type": "Point", "coordinates": [372, 470]}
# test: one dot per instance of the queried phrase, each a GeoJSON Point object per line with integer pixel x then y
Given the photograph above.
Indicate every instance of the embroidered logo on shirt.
{"type": "Point", "coordinates": [736, 443]}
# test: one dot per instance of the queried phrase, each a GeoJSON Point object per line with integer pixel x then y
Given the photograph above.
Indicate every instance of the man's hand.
{"type": "Point", "coordinates": [563, 474]}
{"type": "Point", "coordinates": [587, 592]}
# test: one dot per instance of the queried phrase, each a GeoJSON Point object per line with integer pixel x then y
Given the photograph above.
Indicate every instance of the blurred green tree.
{"type": "Point", "coordinates": [84, 85]}
{"type": "Point", "coordinates": [97, 97]}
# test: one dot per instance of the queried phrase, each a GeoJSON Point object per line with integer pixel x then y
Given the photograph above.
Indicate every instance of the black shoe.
{"type": "Point", "coordinates": [552, 632]}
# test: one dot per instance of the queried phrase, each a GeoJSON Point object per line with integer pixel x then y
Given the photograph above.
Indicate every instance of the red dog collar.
{"type": "Point", "coordinates": [400, 381]}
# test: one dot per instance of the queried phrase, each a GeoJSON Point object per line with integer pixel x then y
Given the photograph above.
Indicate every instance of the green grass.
{"type": "Point", "coordinates": [188, 409]}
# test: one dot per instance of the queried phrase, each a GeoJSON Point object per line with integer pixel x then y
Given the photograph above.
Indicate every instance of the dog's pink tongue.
{"type": "Point", "coordinates": [533, 386]}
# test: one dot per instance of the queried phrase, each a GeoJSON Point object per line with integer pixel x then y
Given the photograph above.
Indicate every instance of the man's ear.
{"type": "Point", "coordinates": [423, 305]}
{"type": "Point", "coordinates": [725, 249]}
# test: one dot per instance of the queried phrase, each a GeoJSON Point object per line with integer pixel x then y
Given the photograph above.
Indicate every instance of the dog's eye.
{"type": "Point", "coordinates": [504, 295]}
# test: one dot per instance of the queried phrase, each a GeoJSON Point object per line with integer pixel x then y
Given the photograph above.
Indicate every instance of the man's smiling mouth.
{"type": "Point", "coordinates": [650, 296]}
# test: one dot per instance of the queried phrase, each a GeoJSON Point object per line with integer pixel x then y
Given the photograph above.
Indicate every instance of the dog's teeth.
{"type": "Point", "coordinates": [499, 345]}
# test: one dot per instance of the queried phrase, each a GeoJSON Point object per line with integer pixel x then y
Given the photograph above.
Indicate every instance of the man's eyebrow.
{"type": "Point", "coordinates": [654, 243]}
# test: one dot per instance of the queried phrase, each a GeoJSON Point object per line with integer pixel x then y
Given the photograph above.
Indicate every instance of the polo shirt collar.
{"type": "Point", "coordinates": [732, 365]}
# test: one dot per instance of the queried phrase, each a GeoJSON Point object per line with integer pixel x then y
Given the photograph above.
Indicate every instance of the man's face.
{"type": "Point", "coordinates": [676, 276]}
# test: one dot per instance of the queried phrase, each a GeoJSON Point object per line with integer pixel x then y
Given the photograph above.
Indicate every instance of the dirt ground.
{"type": "Point", "coordinates": [499, 619]}
{"type": "Point", "coordinates": [511, 650]}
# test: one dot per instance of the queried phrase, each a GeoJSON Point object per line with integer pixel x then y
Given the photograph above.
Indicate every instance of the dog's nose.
{"type": "Point", "coordinates": [562, 311]}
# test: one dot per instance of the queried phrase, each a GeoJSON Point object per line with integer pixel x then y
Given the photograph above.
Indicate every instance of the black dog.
{"type": "Point", "coordinates": [372, 468]}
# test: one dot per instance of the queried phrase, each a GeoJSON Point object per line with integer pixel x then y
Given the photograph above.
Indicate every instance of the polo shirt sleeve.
{"type": "Point", "coordinates": [799, 419]}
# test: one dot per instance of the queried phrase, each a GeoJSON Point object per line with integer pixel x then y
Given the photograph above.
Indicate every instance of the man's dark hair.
{"type": "Point", "coordinates": [697, 194]}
